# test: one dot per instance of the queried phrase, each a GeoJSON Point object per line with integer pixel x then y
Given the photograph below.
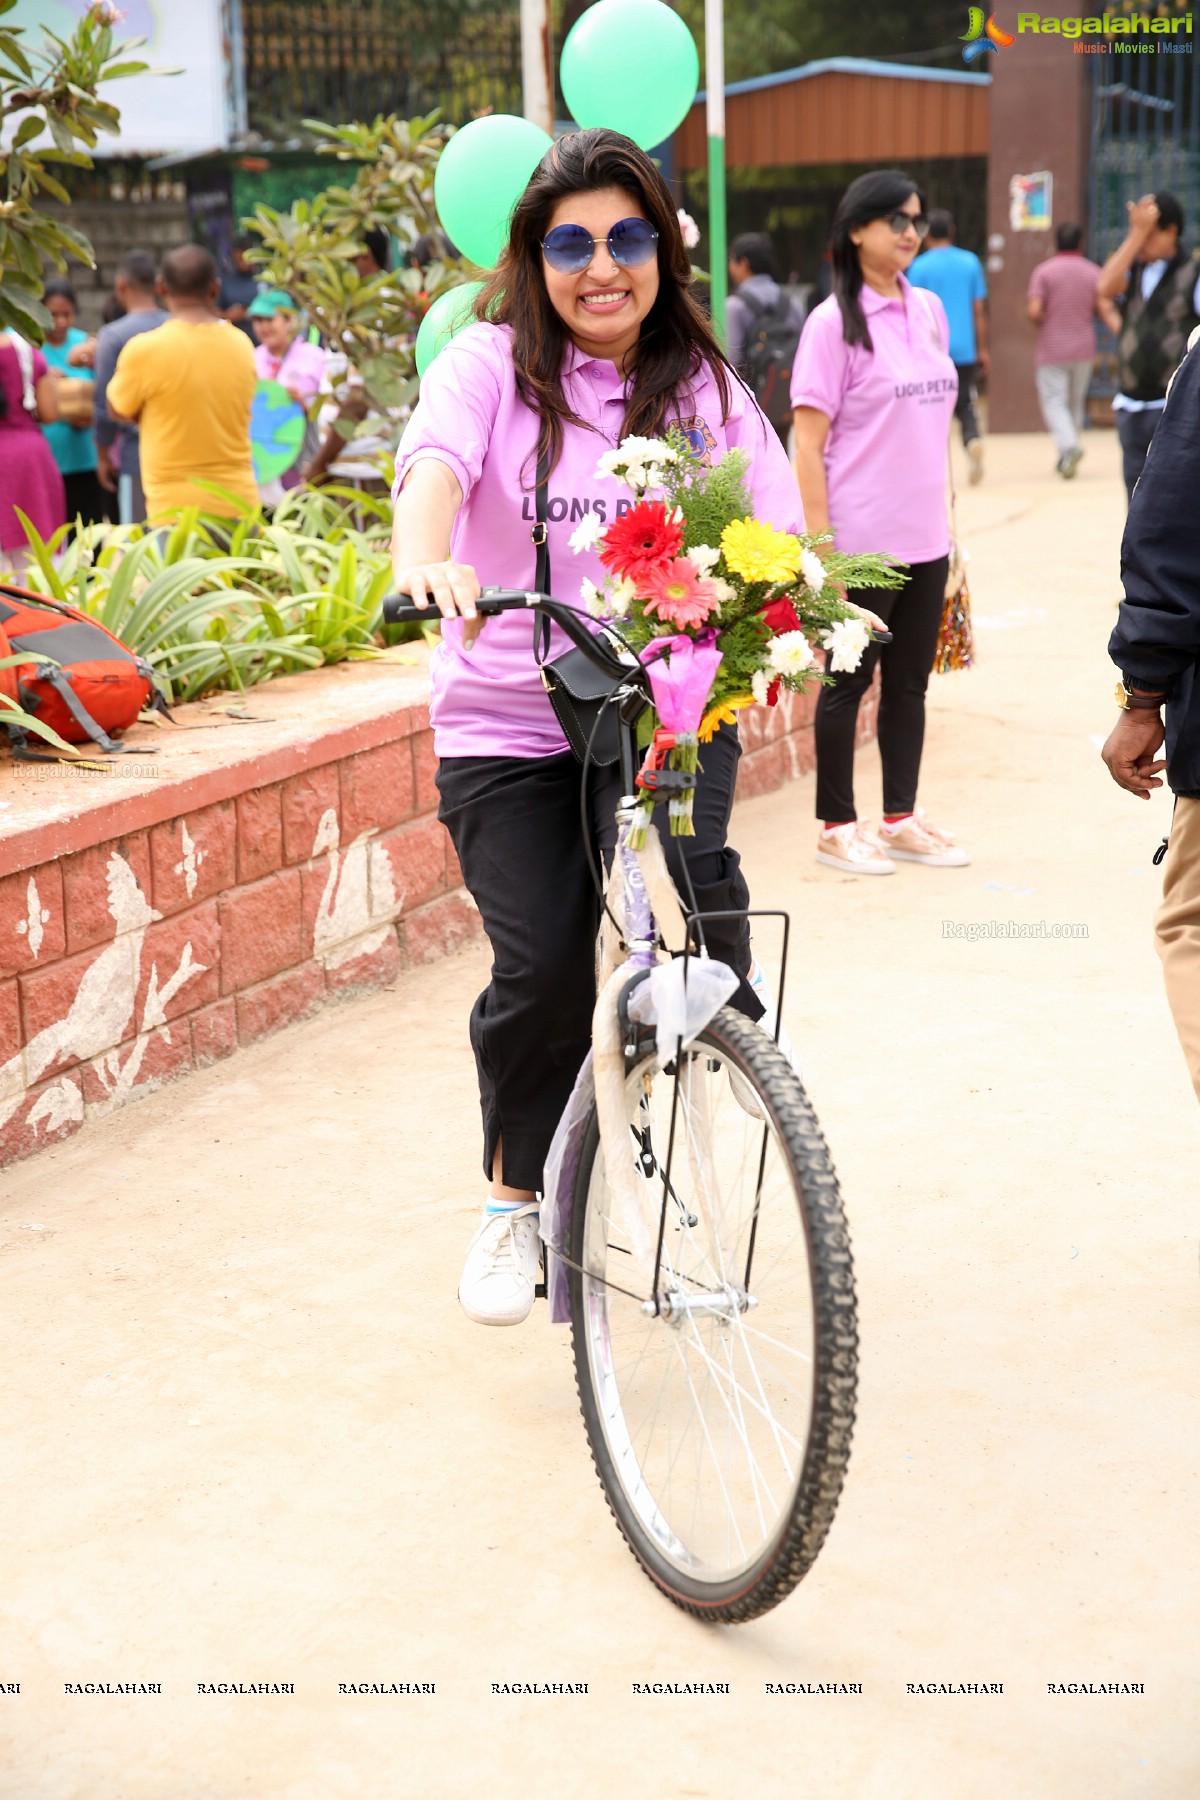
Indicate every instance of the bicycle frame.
{"type": "Point", "coordinates": [641, 938]}
{"type": "Point", "coordinates": [641, 929]}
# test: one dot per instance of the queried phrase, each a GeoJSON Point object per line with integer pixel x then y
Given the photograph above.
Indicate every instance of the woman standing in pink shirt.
{"type": "Point", "coordinates": [873, 388]}
{"type": "Point", "coordinates": [586, 334]}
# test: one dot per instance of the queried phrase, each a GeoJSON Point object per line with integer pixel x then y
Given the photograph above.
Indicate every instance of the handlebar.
{"type": "Point", "coordinates": [400, 609]}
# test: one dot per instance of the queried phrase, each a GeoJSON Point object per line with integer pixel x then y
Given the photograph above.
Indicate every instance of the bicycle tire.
{"type": "Point", "coordinates": [793, 1542]}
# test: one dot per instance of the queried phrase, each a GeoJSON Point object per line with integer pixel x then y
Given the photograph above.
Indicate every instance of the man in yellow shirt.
{"type": "Point", "coordinates": [190, 386]}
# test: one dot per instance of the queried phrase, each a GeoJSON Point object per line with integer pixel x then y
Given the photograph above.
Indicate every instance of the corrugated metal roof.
{"type": "Point", "coordinates": [852, 110]}
{"type": "Point", "coordinates": [851, 65]}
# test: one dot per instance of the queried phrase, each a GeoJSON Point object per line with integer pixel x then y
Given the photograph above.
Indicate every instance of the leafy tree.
{"type": "Point", "coordinates": [55, 88]}
{"type": "Point", "coordinates": [764, 36]}
{"type": "Point", "coordinates": [310, 249]}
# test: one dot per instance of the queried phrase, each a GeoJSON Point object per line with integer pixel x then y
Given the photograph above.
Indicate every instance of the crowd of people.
{"type": "Point", "coordinates": [846, 411]}
{"type": "Point", "coordinates": [153, 411]}
{"type": "Point", "coordinates": [1147, 295]}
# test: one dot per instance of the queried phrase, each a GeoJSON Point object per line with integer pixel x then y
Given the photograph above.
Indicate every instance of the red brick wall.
{"type": "Point", "coordinates": [166, 946]}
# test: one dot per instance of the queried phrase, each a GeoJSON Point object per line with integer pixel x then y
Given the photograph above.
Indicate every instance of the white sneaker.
{"type": "Point", "coordinates": [854, 850]}
{"type": "Point", "coordinates": [499, 1276]}
{"type": "Point", "coordinates": [919, 840]}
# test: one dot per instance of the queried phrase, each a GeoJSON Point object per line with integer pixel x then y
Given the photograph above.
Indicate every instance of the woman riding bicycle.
{"type": "Point", "coordinates": [586, 333]}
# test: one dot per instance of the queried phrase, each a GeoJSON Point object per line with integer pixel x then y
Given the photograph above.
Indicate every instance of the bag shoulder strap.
{"type": "Point", "coordinates": [928, 308]}
{"type": "Point", "coordinates": [540, 536]}
{"type": "Point", "coordinates": [25, 359]}
{"type": "Point", "coordinates": [779, 309]}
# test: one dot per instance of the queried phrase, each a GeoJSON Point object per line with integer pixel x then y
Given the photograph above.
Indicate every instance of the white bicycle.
{"type": "Point", "coordinates": [696, 1239]}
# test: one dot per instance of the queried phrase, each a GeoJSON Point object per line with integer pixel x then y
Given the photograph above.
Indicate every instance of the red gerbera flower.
{"type": "Point", "coordinates": [780, 616]}
{"type": "Point", "coordinates": [644, 540]}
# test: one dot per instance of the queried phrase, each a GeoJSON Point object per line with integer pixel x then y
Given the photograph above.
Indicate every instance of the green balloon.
{"type": "Point", "coordinates": [481, 174]}
{"type": "Point", "coordinates": [448, 315]}
{"type": "Point", "coordinates": [631, 65]}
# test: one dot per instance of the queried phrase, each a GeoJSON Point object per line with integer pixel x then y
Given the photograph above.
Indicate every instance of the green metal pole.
{"type": "Point", "coordinates": [714, 78]}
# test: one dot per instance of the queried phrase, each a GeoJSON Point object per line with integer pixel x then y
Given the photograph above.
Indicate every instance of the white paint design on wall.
{"type": "Point", "coordinates": [102, 1012]}
{"type": "Point", "coordinates": [189, 864]}
{"type": "Point", "coordinates": [60, 1104]}
{"type": "Point", "coordinates": [36, 916]}
{"type": "Point", "coordinates": [359, 894]}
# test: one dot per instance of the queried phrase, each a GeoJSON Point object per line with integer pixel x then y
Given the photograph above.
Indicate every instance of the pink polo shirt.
{"type": "Point", "coordinates": [490, 701]}
{"type": "Point", "coordinates": [302, 366]}
{"type": "Point", "coordinates": [890, 413]}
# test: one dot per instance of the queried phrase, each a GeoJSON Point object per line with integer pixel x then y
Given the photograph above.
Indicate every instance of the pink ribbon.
{"type": "Point", "coordinates": [682, 686]}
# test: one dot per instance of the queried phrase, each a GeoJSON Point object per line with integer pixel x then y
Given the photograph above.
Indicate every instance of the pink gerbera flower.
{"type": "Point", "coordinates": [676, 594]}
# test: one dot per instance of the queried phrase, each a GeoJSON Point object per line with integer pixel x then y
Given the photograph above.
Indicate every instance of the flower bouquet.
{"type": "Point", "coordinates": [722, 609]}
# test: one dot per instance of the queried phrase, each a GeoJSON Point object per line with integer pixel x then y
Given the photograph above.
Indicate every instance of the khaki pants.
{"type": "Point", "coordinates": [1177, 930]}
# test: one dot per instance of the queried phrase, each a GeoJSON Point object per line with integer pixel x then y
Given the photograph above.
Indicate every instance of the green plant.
{"type": "Point", "coordinates": [55, 88]}
{"type": "Point", "coordinates": [310, 251]}
{"type": "Point", "coordinates": [211, 608]}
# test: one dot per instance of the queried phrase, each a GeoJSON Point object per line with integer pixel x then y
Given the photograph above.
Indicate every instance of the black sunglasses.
{"type": "Point", "coordinates": [900, 222]}
{"type": "Point", "coordinates": [569, 248]}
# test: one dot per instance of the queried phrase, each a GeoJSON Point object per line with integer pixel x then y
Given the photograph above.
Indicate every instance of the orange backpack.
{"type": "Point", "coordinates": [79, 679]}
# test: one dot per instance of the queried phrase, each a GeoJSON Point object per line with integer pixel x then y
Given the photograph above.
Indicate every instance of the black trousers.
{"type": "Point", "coordinates": [515, 823]}
{"type": "Point", "coordinates": [914, 615]}
{"type": "Point", "coordinates": [1135, 430]}
{"type": "Point", "coordinates": [964, 406]}
{"type": "Point", "coordinates": [87, 500]}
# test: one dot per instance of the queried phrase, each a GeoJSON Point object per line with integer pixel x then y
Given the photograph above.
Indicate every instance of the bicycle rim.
{"type": "Point", "coordinates": [719, 1424]}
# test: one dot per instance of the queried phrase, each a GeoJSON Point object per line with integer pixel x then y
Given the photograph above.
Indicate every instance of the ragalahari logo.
{"type": "Point", "coordinates": [979, 37]}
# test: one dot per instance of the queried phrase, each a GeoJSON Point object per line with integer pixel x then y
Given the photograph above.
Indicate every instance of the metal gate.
{"type": "Point", "coordinates": [1145, 137]}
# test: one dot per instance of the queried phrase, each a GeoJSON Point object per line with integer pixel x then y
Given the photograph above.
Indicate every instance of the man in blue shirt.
{"type": "Point", "coordinates": [956, 277]}
{"type": "Point", "coordinates": [136, 292]}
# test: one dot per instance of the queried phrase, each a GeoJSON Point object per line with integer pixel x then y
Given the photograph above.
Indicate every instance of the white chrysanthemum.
{"type": "Point", "coordinates": [587, 533]}
{"type": "Point", "coordinates": [845, 642]}
{"type": "Point", "coordinates": [813, 570]}
{"type": "Point", "coordinates": [621, 598]}
{"type": "Point", "coordinates": [637, 477]}
{"type": "Point", "coordinates": [724, 590]}
{"type": "Point", "coordinates": [644, 449]}
{"type": "Point", "coordinates": [790, 653]}
{"type": "Point", "coordinates": [760, 685]}
{"type": "Point", "coordinates": [611, 461]}
{"type": "Point", "coordinates": [593, 599]}
{"type": "Point", "coordinates": [703, 558]}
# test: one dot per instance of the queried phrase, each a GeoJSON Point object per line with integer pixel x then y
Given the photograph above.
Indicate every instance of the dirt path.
{"type": "Point", "coordinates": [250, 1438]}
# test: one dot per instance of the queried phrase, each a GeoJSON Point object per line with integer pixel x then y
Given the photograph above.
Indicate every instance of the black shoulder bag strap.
{"type": "Point", "coordinates": [540, 535]}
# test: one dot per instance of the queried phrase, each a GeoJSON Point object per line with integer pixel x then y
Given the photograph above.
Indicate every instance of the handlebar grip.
{"type": "Point", "coordinates": [400, 609]}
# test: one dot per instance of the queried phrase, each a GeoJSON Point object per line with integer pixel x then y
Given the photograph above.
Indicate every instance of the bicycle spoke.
{"type": "Point", "coordinates": [707, 1389]}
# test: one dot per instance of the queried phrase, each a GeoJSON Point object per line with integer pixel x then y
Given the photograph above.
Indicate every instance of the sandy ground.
{"type": "Point", "coordinates": [248, 1436]}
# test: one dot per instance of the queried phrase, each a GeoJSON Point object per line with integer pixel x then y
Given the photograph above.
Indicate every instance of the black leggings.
{"type": "Point", "coordinates": [516, 829]}
{"type": "Point", "coordinates": [914, 615]}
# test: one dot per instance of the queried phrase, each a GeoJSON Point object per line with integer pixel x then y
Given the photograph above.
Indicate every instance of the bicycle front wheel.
{"type": "Point", "coordinates": [719, 1399]}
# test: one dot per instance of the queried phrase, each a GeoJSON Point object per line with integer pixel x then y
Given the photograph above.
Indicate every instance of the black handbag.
{"type": "Point", "coordinates": [579, 691]}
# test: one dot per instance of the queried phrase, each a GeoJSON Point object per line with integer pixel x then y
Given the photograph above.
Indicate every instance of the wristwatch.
{"type": "Point", "coordinates": [1131, 699]}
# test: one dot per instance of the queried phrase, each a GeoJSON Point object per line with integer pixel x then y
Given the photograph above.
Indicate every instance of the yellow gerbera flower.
{"type": "Point", "coordinates": [757, 552]}
{"type": "Point", "coordinates": [724, 713]}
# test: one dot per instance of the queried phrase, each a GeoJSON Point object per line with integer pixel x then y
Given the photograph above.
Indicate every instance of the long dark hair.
{"type": "Point", "coordinates": [676, 338]}
{"type": "Point", "coordinates": [870, 197]}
